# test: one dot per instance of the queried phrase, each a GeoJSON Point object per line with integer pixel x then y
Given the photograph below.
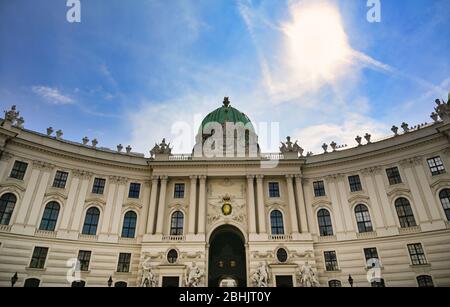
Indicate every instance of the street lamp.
{"type": "Point", "coordinates": [110, 281]}
{"type": "Point", "coordinates": [14, 279]}
{"type": "Point", "coordinates": [350, 280]}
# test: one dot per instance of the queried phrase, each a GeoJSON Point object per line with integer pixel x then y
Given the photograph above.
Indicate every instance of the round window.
{"type": "Point", "coordinates": [282, 255]}
{"type": "Point", "coordinates": [172, 256]}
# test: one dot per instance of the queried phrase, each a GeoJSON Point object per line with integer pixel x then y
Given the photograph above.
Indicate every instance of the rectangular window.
{"type": "Point", "coordinates": [319, 188]}
{"type": "Point", "coordinates": [417, 254]}
{"type": "Point", "coordinates": [135, 190]}
{"type": "Point", "coordinates": [84, 257]}
{"type": "Point", "coordinates": [60, 180]}
{"type": "Point", "coordinates": [18, 170]}
{"type": "Point", "coordinates": [393, 175]}
{"type": "Point", "coordinates": [355, 183]}
{"type": "Point", "coordinates": [274, 189]}
{"type": "Point", "coordinates": [39, 257]}
{"type": "Point", "coordinates": [331, 263]}
{"type": "Point", "coordinates": [99, 186]}
{"type": "Point", "coordinates": [179, 190]}
{"type": "Point", "coordinates": [371, 255]}
{"type": "Point", "coordinates": [124, 263]}
{"type": "Point", "coordinates": [436, 166]}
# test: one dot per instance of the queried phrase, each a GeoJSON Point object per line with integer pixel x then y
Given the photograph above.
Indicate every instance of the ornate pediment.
{"type": "Point", "coordinates": [322, 202]}
{"type": "Point", "coordinates": [55, 195]}
{"type": "Point", "coordinates": [226, 209]}
{"type": "Point", "coordinates": [440, 184]}
{"type": "Point", "coordinates": [358, 197]}
{"type": "Point", "coordinates": [12, 187]}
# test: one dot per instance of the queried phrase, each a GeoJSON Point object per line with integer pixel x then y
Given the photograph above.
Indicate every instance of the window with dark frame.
{"type": "Point", "coordinates": [405, 213]}
{"type": "Point", "coordinates": [91, 221]}
{"type": "Point", "coordinates": [325, 225]}
{"type": "Point", "coordinates": [135, 190]}
{"type": "Point", "coordinates": [19, 169]}
{"type": "Point", "coordinates": [335, 284]}
{"type": "Point", "coordinates": [331, 263]}
{"type": "Point", "coordinates": [39, 257]}
{"type": "Point", "coordinates": [363, 219]}
{"type": "Point", "coordinates": [7, 204]}
{"type": "Point", "coordinates": [274, 190]}
{"type": "Point", "coordinates": [425, 281]}
{"type": "Point", "coordinates": [393, 175]}
{"type": "Point", "coordinates": [371, 255]}
{"type": "Point", "coordinates": [282, 255]}
{"type": "Point", "coordinates": [319, 188]}
{"type": "Point", "coordinates": [179, 190]}
{"type": "Point", "coordinates": [84, 258]}
{"type": "Point", "coordinates": [129, 225]}
{"type": "Point", "coordinates": [60, 180]}
{"type": "Point", "coordinates": [436, 166]}
{"type": "Point", "coordinates": [355, 183]}
{"type": "Point", "coordinates": [177, 223]}
{"type": "Point", "coordinates": [378, 284]}
{"type": "Point", "coordinates": [444, 196]}
{"type": "Point", "coordinates": [417, 254]}
{"type": "Point", "coordinates": [276, 222]}
{"type": "Point", "coordinates": [172, 256]}
{"type": "Point", "coordinates": [50, 217]}
{"type": "Point", "coordinates": [124, 263]}
{"type": "Point", "coordinates": [99, 186]}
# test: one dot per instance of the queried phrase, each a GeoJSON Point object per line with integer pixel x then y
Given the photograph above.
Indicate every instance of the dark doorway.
{"type": "Point", "coordinates": [79, 284]}
{"type": "Point", "coordinates": [284, 281]}
{"type": "Point", "coordinates": [32, 283]}
{"type": "Point", "coordinates": [227, 257]}
{"type": "Point", "coordinates": [170, 282]}
{"type": "Point", "coordinates": [120, 284]}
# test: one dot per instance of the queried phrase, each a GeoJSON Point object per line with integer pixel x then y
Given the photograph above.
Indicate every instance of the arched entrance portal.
{"type": "Point", "coordinates": [227, 259]}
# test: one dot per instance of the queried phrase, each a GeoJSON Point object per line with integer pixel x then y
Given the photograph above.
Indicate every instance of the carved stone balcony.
{"type": "Point", "coordinates": [5, 228]}
{"type": "Point", "coordinates": [327, 238]}
{"type": "Point", "coordinates": [83, 237]}
{"type": "Point", "coordinates": [45, 233]}
{"type": "Point", "coordinates": [280, 237]}
{"type": "Point", "coordinates": [408, 230]}
{"type": "Point", "coordinates": [173, 238]}
{"type": "Point", "coordinates": [367, 235]}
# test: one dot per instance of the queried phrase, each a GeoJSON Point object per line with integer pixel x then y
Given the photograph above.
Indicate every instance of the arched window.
{"type": "Point", "coordinates": [405, 213]}
{"type": "Point", "coordinates": [445, 201]}
{"type": "Point", "coordinates": [363, 219]}
{"type": "Point", "coordinates": [276, 221]}
{"type": "Point", "coordinates": [32, 283]}
{"type": "Point", "coordinates": [425, 281]}
{"type": "Point", "coordinates": [78, 284]}
{"type": "Point", "coordinates": [129, 225]}
{"type": "Point", "coordinates": [7, 203]}
{"type": "Point", "coordinates": [120, 284]}
{"type": "Point", "coordinates": [335, 284]}
{"type": "Point", "coordinates": [325, 225]}
{"type": "Point", "coordinates": [91, 221]}
{"type": "Point", "coordinates": [50, 217]}
{"type": "Point", "coordinates": [176, 225]}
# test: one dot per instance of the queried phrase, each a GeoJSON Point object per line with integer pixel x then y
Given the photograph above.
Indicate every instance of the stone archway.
{"type": "Point", "coordinates": [227, 257]}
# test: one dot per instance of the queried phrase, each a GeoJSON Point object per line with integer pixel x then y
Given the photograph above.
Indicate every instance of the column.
{"type": "Point", "coordinates": [386, 207]}
{"type": "Point", "coordinates": [152, 206]}
{"type": "Point", "coordinates": [301, 205]}
{"type": "Point", "coordinates": [202, 206]}
{"type": "Point", "coordinates": [380, 223]}
{"type": "Point", "coordinates": [292, 210]}
{"type": "Point", "coordinates": [161, 205]}
{"type": "Point", "coordinates": [39, 196]}
{"type": "Point", "coordinates": [4, 163]}
{"type": "Point", "coordinates": [109, 207]}
{"type": "Point", "coordinates": [260, 201]}
{"type": "Point", "coordinates": [251, 204]}
{"type": "Point", "coordinates": [77, 218]}
{"type": "Point", "coordinates": [348, 215]}
{"type": "Point", "coordinates": [417, 200]}
{"type": "Point", "coordinates": [192, 204]}
{"type": "Point", "coordinates": [68, 208]}
{"type": "Point", "coordinates": [117, 208]}
{"type": "Point", "coordinates": [429, 198]}
{"type": "Point", "coordinates": [142, 222]}
{"type": "Point", "coordinates": [337, 213]}
{"type": "Point", "coordinates": [27, 197]}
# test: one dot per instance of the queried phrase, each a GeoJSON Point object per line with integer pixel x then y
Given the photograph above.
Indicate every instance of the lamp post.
{"type": "Point", "coordinates": [110, 281]}
{"type": "Point", "coordinates": [14, 279]}
{"type": "Point", "coordinates": [350, 280]}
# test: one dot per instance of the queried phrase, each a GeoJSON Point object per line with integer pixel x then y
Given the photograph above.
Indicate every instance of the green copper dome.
{"type": "Point", "coordinates": [224, 114]}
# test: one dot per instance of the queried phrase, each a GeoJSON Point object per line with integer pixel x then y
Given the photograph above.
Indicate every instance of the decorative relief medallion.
{"type": "Point", "coordinates": [226, 209]}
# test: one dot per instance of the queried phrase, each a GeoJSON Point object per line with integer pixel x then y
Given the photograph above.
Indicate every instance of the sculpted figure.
{"type": "Point", "coordinates": [148, 277]}
{"type": "Point", "coordinates": [308, 277]}
{"type": "Point", "coordinates": [261, 276]}
{"type": "Point", "coordinates": [193, 276]}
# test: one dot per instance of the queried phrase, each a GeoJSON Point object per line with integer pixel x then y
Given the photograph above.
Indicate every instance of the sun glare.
{"type": "Point", "coordinates": [317, 45]}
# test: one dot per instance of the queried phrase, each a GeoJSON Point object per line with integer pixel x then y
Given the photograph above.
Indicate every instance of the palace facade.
{"type": "Point", "coordinates": [74, 214]}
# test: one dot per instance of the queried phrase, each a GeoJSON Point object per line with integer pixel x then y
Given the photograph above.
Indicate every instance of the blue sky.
{"type": "Point", "coordinates": [133, 72]}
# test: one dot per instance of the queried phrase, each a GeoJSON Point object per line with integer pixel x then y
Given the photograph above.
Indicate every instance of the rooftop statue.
{"type": "Point", "coordinates": [163, 149]}
{"type": "Point", "coordinates": [290, 147]}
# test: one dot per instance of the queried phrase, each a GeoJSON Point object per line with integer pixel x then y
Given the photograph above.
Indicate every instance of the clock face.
{"type": "Point", "coordinates": [227, 209]}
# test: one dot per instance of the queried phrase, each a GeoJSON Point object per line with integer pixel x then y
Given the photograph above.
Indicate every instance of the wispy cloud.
{"type": "Point", "coordinates": [52, 95]}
